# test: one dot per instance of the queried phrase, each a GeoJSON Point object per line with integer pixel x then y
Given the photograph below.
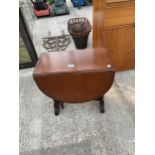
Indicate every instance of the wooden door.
{"type": "Point", "coordinates": [113, 28]}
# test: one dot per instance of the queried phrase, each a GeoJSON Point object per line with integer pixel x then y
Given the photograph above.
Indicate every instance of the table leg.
{"type": "Point", "coordinates": [61, 105]}
{"type": "Point", "coordinates": [101, 100]}
{"type": "Point", "coordinates": [56, 107]}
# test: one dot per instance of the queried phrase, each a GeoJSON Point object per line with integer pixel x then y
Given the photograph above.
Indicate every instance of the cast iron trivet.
{"type": "Point", "coordinates": [57, 43]}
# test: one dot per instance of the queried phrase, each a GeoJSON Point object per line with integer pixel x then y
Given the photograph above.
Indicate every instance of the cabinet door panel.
{"type": "Point", "coordinates": [116, 16]}
{"type": "Point", "coordinates": [114, 1]}
{"type": "Point", "coordinates": [120, 41]}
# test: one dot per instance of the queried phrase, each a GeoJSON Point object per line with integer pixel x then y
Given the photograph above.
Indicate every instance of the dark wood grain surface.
{"type": "Point", "coordinates": [73, 61]}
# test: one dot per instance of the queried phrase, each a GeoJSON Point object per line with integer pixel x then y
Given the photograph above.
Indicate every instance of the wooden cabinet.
{"type": "Point", "coordinates": [113, 28]}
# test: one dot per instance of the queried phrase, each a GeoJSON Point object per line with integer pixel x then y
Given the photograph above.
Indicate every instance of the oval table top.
{"type": "Point", "coordinates": [74, 61]}
{"type": "Point", "coordinates": [74, 76]}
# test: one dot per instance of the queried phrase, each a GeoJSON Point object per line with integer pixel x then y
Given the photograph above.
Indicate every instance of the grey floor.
{"type": "Point", "coordinates": [79, 129]}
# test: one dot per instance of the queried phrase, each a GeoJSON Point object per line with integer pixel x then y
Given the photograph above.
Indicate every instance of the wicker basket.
{"type": "Point", "coordinates": [79, 29]}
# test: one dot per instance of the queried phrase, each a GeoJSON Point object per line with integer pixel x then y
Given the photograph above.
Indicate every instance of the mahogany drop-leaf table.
{"type": "Point", "coordinates": [74, 76]}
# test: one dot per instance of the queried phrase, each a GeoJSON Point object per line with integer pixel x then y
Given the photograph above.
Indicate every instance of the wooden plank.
{"type": "Point", "coordinates": [117, 16]}
{"type": "Point", "coordinates": [98, 21]}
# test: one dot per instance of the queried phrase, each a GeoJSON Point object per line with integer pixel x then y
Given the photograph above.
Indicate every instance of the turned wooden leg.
{"type": "Point", "coordinates": [61, 105]}
{"type": "Point", "coordinates": [56, 107]}
{"type": "Point", "coordinates": [101, 104]}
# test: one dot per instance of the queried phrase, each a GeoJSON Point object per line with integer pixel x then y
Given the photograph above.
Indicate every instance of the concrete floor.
{"type": "Point", "coordinates": [79, 129]}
